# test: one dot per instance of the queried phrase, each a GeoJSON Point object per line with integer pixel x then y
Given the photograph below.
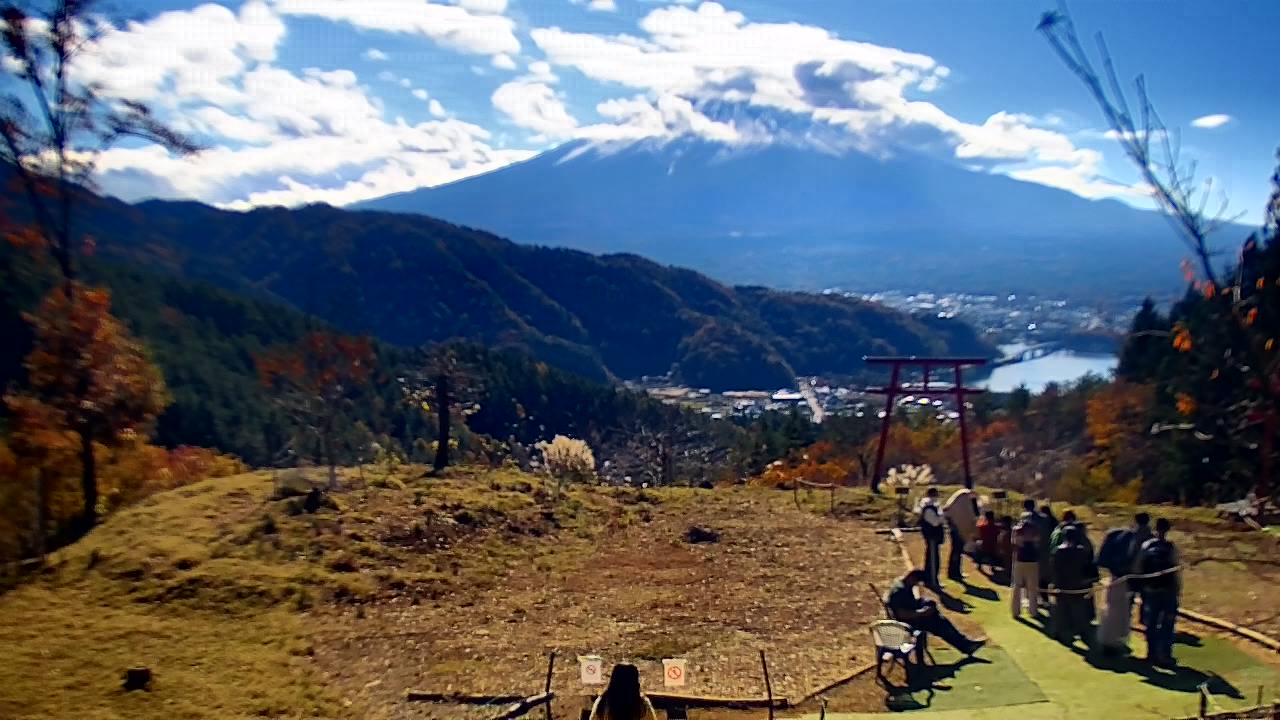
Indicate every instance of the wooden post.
{"type": "Point", "coordinates": [768, 688]}
{"type": "Point", "coordinates": [546, 689]}
{"type": "Point", "coordinates": [1263, 490]}
{"type": "Point", "coordinates": [964, 433]}
{"type": "Point", "coordinates": [889, 397]}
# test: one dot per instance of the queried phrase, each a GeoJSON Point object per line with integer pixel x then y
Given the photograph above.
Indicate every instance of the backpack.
{"type": "Point", "coordinates": [1157, 555]}
{"type": "Point", "coordinates": [1117, 551]}
{"type": "Point", "coordinates": [1026, 541]}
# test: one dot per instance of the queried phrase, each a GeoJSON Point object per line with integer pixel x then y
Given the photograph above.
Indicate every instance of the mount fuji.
{"type": "Point", "coordinates": [811, 215]}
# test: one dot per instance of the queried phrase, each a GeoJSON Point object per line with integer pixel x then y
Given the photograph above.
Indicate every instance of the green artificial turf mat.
{"type": "Point", "coordinates": [1073, 683]}
{"type": "Point", "coordinates": [990, 679]}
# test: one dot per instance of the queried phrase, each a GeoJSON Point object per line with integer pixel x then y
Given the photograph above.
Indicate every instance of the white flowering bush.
{"type": "Point", "coordinates": [568, 460]}
{"type": "Point", "coordinates": [909, 476]}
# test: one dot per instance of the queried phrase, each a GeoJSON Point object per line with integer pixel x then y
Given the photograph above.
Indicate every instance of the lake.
{"type": "Point", "coordinates": [1060, 367]}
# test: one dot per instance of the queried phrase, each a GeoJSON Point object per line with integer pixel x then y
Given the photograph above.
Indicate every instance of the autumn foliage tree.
{"type": "Point", "coordinates": [314, 382]}
{"type": "Point", "coordinates": [86, 374]}
{"type": "Point", "coordinates": [1241, 305]}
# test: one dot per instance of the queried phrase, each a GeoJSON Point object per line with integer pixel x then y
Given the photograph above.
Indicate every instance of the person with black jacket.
{"type": "Point", "coordinates": [933, 532]}
{"type": "Point", "coordinates": [1074, 574]}
{"type": "Point", "coordinates": [1159, 557]}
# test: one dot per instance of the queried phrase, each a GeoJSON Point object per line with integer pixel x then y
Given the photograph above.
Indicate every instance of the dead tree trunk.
{"type": "Point", "coordinates": [442, 411]}
{"type": "Point", "coordinates": [88, 483]}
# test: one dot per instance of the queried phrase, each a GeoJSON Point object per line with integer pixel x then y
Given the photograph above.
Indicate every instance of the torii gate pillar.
{"type": "Point", "coordinates": [897, 387]}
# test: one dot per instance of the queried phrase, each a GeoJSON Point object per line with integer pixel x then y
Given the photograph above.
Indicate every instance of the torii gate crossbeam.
{"type": "Point", "coordinates": [897, 387]}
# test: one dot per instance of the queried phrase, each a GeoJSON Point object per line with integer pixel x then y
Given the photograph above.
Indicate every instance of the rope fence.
{"type": "Point", "coordinates": [1114, 581]}
{"type": "Point", "coordinates": [795, 491]}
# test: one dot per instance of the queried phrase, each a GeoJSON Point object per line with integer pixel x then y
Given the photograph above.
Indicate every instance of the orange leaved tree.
{"type": "Point", "coordinates": [87, 374]}
{"type": "Point", "coordinates": [313, 381]}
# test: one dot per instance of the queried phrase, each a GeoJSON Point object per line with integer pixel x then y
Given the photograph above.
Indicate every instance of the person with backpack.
{"type": "Point", "coordinates": [1119, 556]}
{"type": "Point", "coordinates": [1160, 584]}
{"type": "Point", "coordinates": [1073, 576]}
{"type": "Point", "coordinates": [961, 514]}
{"type": "Point", "coordinates": [1025, 576]}
{"type": "Point", "coordinates": [1046, 523]}
{"type": "Point", "coordinates": [933, 533]}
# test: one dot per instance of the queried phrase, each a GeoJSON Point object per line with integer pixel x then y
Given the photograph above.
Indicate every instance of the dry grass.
{"type": "Point", "coordinates": [790, 581]}
{"type": "Point", "coordinates": [246, 606]}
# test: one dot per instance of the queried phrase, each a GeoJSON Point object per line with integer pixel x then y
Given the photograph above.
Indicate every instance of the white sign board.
{"type": "Point", "coordinates": [673, 672]}
{"type": "Point", "coordinates": [591, 668]}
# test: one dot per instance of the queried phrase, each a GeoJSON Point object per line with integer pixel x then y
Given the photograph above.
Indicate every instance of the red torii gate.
{"type": "Point", "coordinates": [896, 387]}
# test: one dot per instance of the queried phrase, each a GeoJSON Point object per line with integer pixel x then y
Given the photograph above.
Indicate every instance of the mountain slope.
{"type": "Point", "coordinates": [411, 280]}
{"type": "Point", "coordinates": [790, 215]}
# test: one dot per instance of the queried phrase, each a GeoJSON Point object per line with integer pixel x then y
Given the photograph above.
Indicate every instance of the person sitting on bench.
{"type": "Point", "coordinates": [622, 700]}
{"type": "Point", "coordinates": [924, 615]}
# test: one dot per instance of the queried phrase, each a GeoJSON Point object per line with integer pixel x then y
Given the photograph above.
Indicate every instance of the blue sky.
{"type": "Point", "coordinates": [342, 100]}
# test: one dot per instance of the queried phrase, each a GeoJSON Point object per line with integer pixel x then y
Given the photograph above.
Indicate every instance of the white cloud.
{"type": "Point", "coordinates": [490, 7]}
{"type": "Point", "coordinates": [689, 62]}
{"type": "Point", "coordinates": [534, 105]}
{"type": "Point", "coordinates": [420, 94]}
{"type": "Point", "coordinates": [1209, 122]}
{"type": "Point", "coordinates": [452, 26]}
{"type": "Point", "coordinates": [375, 54]}
{"type": "Point", "coordinates": [540, 70]}
{"type": "Point", "coordinates": [1082, 183]}
{"type": "Point", "coordinates": [598, 5]}
{"type": "Point", "coordinates": [273, 135]}
{"type": "Point", "coordinates": [162, 61]}
{"type": "Point", "coordinates": [503, 61]}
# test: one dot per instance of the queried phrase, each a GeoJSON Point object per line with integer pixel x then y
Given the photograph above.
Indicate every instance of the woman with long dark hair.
{"type": "Point", "coordinates": [622, 700]}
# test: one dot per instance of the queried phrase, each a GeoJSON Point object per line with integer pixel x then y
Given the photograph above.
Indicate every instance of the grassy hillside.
{"type": "Point", "coordinates": [242, 605]}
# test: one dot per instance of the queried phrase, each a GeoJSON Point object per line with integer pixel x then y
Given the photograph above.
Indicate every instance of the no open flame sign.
{"type": "Point", "coordinates": [673, 672]}
{"type": "Point", "coordinates": [591, 668]}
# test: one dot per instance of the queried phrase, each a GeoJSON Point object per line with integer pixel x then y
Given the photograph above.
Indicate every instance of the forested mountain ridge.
{"type": "Point", "coordinates": [410, 280]}
{"type": "Point", "coordinates": [207, 340]}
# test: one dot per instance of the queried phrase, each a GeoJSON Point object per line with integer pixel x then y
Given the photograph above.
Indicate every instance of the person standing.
{"type": "Point", "coordinates": [988, 538]}
{"type": "Point", "coordinates": [1119, 556]}
{"type": "Point", "coordinates": [1046, 523]}
{"type": "Point", "coordinates": [961, 513]}
{"type": "Point", "coordinates": [933, 533]}
{"type": "Point", "coordinates": [1073, 578]}
{"type": "Point", "coordinates": [1159, 560]}
{"type": "Point", "coordinates": [622, 700]}
{"type": "Point", "coordinates": [1025, 576]}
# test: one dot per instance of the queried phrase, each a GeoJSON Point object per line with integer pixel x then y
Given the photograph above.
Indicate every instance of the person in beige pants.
{"type": "Point", "coordinates": [1025, 578]}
